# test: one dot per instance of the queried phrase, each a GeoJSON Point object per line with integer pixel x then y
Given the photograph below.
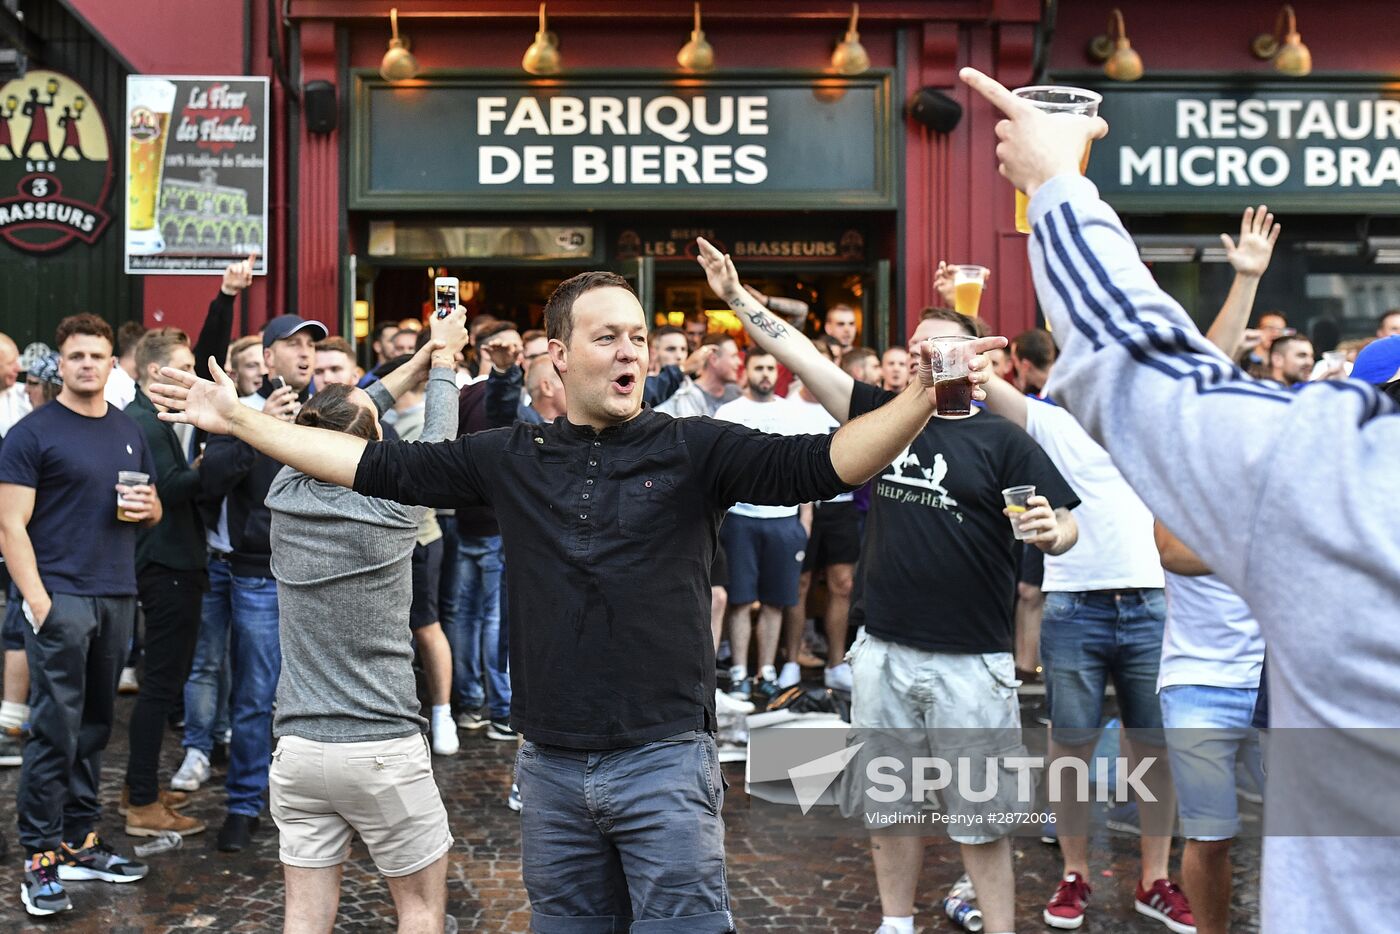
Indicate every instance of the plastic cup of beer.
{"type": "Point", "coordinates": [1054, 99]}
{"type": "Point", "coordinates": [952, 385]}
{"type": "Point", "coordinates": [1015, 498]}
{"type": "Point", "coordinates": [967, 288]}
{"type": "Point", "coordinates": [129, 478]}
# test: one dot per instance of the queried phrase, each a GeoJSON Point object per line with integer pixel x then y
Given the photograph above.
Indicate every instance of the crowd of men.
{"type": "Point", "coordinates": [500, 553]}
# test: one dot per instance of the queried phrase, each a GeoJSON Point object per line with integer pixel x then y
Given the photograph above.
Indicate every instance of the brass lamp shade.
{"type": "Point", "coordinates": [697, 54]}
{"type": "Point", "coordinates": [542, 57]}
{"type": "Point", "coordinates": [398, 63]}
{"type": "Point", "coordinates": [850, 57]}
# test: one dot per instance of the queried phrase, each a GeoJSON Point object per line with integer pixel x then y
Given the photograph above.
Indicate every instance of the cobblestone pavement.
{"type": "Point", "coordinates": [780, 883]}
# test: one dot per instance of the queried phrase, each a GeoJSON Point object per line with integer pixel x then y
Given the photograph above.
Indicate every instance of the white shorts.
{"type": "Point", "coordinates": [383, 790]}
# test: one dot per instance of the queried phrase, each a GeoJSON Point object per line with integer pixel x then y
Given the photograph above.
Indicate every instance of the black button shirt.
{"type": "Point", "coordinates": [608, 539]}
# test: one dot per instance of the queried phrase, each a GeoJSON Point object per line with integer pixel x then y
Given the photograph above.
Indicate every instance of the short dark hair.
{"type": "Point", "coordinates": [559, 310]}
{"type": "Point", "coordinates": [530, 335]}
{"type": "Point", "coordinates": [128, 336]}
{"type": "Point", "coordinates": [1281, 344]}
{"type": "Point", "coordinates": [1275, 313]}
{"type": "Point", "coordinates": [499, 327]}
{"type": "Point", "coordinates": [84, 323]}
{"type": "Point", "coordinates": [332, 408]}
{"type": "Point", "coordinates": [337, 344]}
{"type": "Point", "coordinates": [1035, 346]}
{"type": "Point", "coordinates": [663, 331]}
{"type": "Point", "coordinates": [156, 346]}
{"type": "Point", "coordinates": [948, 314]}
{"type": "Point", "coordinates": [380, 328]}
{"type": "Point", "coordinates": [853, 356]}
{"type": "Point", "coordinates": [754, 353]}
{"type": "Point", "coordinates": [716, 339]}
{"type": "Point", "coordinates": [1380, 322]}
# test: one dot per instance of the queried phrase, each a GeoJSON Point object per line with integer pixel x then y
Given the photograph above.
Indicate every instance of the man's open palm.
{"type": "Point", "coordinates": [206, 404]}
{"type": "Point", "coordinates": [719, 270]}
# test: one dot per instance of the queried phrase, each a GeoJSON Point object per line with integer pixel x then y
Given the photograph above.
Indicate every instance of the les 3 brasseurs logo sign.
{"type": "Point", "coordinates": [55, 163]}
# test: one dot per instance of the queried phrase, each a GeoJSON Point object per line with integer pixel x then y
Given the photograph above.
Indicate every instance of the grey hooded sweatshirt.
{"type": "Point", "coordinates": [344, 588]}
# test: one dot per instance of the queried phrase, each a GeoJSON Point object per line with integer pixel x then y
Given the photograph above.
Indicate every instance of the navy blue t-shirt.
{"type": "Point", "coordinates": [71, 461]}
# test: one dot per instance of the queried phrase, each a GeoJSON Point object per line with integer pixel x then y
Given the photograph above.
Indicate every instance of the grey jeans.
{"type": "Point", "coordinates": [625, 839]}
{"type": "Point", "coordinates": [75, 661]}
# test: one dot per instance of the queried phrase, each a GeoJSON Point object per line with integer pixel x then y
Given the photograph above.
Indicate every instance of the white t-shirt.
{"type": "Point", "coordinates": [120, 388]}
{"type": "Point", "coordinates": [14, 405]}
{"type": "Point", "coordinates": [1115, 550]}
{"type": "Point", "coordinates": [811, 418]}
{"type": "Point", "coordinates": [775, 417]}
{"type": "Point", "coordinates": [1211, 636]}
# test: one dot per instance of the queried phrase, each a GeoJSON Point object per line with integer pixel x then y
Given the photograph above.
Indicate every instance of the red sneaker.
{"type": "Point", "coordinates": [1065, 909]}
{"type": "Point", "coordinates": [1167, 903]}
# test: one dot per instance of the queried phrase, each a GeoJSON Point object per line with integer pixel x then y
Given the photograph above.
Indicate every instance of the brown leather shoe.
{"type": "Point", "coordinates": [152, 820]}
{"type": "Point", "coordinates": [175, 800]}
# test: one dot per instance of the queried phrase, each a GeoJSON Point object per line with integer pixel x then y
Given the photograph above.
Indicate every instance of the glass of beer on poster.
{"type": "Point", "coordinates": [1056, 100]}
{"type": "Point", "coordinates": [967, 288]}
{"type": "Point", "coordinates": [129, 478]}
{"type": "Point", "coordinates": [952, 385]}
{"type": "Point", "coordinates": [149, 104]}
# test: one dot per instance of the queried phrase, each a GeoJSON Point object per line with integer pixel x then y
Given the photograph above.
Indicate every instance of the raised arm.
{"type": "Point", "coordinates": [213, 406]}
{"type": "Point", "coordinates": [825, 380]}
{"type": "Point", "coordinates": [1249, 257]}
{"type": "Point", "coordinates": [217, 331]}
{"type": "Point", "coordinates": [1203, 445]}
{"type": "Point", "coordinates": [449, 336]}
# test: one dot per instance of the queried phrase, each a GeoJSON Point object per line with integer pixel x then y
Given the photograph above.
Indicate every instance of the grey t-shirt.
{"type": "Point", "coordinates": [344, 588]}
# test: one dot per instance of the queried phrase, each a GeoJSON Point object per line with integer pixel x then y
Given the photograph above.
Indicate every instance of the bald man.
{"type": "Point", "coordinates": [14, 401]}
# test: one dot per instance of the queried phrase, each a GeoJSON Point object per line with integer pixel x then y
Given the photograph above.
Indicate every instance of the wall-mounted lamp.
{"type": "Point", "coordinates": [850, 57]}
{"type": "Point", "coordinates": [697, 54]}
{"type": "Point", "coordinates": [398, 63]}
{"type": "Point", "coordinates": [1120, 62]}
{"type": "Point", "coordinates": [1290, 56]}
{"type": "Point", "coordinates": [542, 57]}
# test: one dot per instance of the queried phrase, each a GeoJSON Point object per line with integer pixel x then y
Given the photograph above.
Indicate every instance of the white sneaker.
{"type": "Point", "coordinates": [790, 675]}
{"type": "Point", "coordinates": [193, 772]}
{"type": "Point", "coordinates": [128, 684]}
{"type": "Point", "coordinates": [724, 704]}
{"type": "Point", "coordinates": [445, 742]}
{"type": "Point", "coordinates": [839, 677]}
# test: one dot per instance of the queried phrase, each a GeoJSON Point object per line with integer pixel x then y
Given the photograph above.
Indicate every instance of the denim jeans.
{"type": "Point", "coordinates": [1087, 638]}
{"type": "Point", "coordinates": [624, 839]}
{"type": "Point", "coordinates": [448, 586]}
{"type": "Point", "coordinates": [1208, 733]}
{"type": "Point", "coordinates": [255, 660]}
{"type": "Point", "coordinates": [207, 690]}
{"type": "Point", "coordinates": [475, 636]}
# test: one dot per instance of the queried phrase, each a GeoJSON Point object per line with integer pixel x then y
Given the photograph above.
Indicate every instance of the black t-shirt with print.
{"type": "Point", "coordinates": [938, 568]}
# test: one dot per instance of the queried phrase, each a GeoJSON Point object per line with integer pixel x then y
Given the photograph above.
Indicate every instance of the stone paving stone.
{"type": "Point", "coordinates": [781, 882]}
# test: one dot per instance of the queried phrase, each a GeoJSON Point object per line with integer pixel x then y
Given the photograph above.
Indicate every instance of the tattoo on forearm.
{"type": "Point", "coordinates": [761, 319]}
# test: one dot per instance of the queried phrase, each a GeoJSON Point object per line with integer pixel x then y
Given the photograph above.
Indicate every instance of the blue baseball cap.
{"type": "Point", "coordinates": [1378, 361]}
{"type": "Point", "coordinates": [284, 326]}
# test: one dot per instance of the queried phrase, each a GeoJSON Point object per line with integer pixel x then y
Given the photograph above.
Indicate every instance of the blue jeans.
{"type": "Point", "coordinates": [1087, 638]}
{"type": "Point", "coordinates": [624, 839]}
{"type": "Point", "coordinates": [448, 586]}
{"type": "Point", "coordinates": [475, 637]}
{"type": "Point", "coordinates": [1208, 731]}
{"type": "Point", "coordinates": [255, 657]}
{"type": "Point", "coordinates": [207, 690]}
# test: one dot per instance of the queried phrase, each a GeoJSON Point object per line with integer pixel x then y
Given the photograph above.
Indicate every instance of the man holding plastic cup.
{"type": "Point", "coordinates": [73, 557]}
{"type": "Point", "coordinates": [1213, 453]}
{"type": "Point", "coordinates": [938, 574]}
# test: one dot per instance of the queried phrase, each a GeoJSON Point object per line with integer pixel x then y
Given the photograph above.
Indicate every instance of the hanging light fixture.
{"type": "Point", "coordinates": [697, 54]}
{"type": "Point", "coordinates": [1120, 62]}
{"type": "Point", "coordinates": [542, 57]}
{"type": "Point", "coordinates": [850, 57]}
{"type": "Point", "coordinates": [398, 63]}
{"type": "Point", "coordinates": [1290, 56]}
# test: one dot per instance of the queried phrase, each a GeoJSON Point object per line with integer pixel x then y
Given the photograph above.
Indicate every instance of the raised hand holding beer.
{"type": "Point", "coordinates": [962, 371]}
{"type": "Point", "coordinates": [1035, 146]}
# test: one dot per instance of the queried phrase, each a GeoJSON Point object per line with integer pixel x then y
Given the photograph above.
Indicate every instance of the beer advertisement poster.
{"type": "Point", "coordinates": [196, 175]}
